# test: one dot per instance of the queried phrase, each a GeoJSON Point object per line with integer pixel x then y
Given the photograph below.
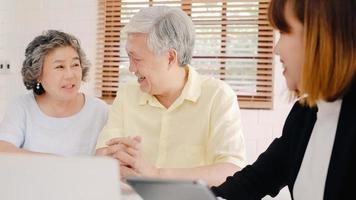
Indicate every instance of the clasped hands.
{"type": "Point", "coordinates": [128, 151]}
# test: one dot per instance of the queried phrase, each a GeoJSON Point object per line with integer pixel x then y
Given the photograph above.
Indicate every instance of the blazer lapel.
{"type": "Point", "coordinates": [342, 162]}
{"type": "Point", "coordinates": [308, 122]}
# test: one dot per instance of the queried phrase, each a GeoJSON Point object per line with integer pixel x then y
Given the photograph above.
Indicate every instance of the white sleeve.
{"type": "Point", "coordinates": [12, 127]}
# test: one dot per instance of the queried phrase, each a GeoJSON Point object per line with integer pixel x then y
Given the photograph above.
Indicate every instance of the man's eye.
{"type": "Point", "coordinates": [133, 59]}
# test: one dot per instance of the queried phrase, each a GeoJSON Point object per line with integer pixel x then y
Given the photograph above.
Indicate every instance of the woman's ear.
{"type": "Point", "coordinates": [39, 78]}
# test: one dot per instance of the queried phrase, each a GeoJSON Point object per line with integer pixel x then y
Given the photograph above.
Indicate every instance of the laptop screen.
{"type": "Point", "coordinates": [58, 178]}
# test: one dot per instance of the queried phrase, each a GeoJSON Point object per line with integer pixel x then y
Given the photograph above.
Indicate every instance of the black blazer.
{"type": "Point", "coordinates": [279, 165]}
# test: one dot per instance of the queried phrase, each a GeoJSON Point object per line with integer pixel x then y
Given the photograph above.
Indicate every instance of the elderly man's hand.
{"type": "Point", "coordinates": [107, 151]}
{"type": "Point", "coordinates": [131, 159]}
{"type": "Point", "coordinates": [111, 149]}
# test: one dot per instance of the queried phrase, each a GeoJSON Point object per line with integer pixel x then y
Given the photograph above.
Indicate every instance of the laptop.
{"type": "Point", "coordinates": [24, 177]}
{"type": "Point", "coordinates": [163, 189]}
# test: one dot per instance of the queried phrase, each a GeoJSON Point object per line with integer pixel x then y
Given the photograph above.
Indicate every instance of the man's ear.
{"type": "Point", "coordinates": [172, 57]}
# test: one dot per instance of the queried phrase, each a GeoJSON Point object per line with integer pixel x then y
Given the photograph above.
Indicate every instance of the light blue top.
{"type": "Point", "coordinates": [27, 127]}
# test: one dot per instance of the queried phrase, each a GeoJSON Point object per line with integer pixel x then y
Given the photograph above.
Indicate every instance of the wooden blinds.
{"type": "Point", "coordinates": [233, 43]}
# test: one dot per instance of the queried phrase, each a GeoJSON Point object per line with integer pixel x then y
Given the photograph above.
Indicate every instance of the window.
{"type": "Point", "coordinates": [234, 43]}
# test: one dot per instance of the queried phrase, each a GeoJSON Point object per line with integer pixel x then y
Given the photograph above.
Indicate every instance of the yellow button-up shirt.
{"type": "Point", "coordinates": [201, 127]}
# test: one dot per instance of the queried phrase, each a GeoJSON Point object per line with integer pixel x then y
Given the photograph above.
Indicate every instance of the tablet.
{"type": "Point", "coordinates": [163, 189]}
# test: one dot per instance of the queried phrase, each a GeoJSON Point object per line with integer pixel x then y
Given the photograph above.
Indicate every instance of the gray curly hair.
{"type": "Point", "coordinates": [37, 50]}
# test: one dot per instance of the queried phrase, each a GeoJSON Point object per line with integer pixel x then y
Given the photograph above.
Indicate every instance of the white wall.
{"type": "Point", "coordinates": [21, 21]}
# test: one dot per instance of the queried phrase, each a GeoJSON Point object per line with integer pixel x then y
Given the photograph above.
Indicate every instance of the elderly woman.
{"type": "Point", "coordinates": [316, 154]}
{"type": "Point", "coordinates": [54, 118]}
{"type": "Point", "coordinates": [172, 122]}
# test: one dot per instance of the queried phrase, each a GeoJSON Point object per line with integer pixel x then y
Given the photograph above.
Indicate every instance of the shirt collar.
{"type": "Point", "coordinates": [191, 90]}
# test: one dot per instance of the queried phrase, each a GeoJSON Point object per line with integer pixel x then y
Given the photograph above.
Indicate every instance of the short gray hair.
{"type": "Point", "coordinates": [40, 46]}
{"type": "Point", "coordinates": [167, 28]}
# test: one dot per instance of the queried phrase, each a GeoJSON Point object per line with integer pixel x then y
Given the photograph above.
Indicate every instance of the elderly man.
{"type": "Point", "coordinates": [171, 123]}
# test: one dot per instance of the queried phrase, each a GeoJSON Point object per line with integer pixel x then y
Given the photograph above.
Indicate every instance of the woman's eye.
{"type": "Point", "coordinates": [76, 65]}
{"type": "Point", "coordinates": [59, 67]}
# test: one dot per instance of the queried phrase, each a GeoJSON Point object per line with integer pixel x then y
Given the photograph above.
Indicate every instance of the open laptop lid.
{"type": "Point", "coordinates": [58, 178]}
{"type": "Point", "coordinates": [162, 189]}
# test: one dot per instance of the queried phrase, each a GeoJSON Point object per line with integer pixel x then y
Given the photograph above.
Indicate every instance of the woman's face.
{"type": "Point", "coordinates": [61, 74]}
{"type": "Point", "coordinates": [290, 48]}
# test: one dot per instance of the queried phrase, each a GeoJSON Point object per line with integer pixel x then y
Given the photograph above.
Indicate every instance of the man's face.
{"type": "Point", "coordinates": [149, 68]}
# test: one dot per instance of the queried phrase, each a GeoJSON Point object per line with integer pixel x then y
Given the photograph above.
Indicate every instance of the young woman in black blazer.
{"type": "Point", "coordinates": [316, 154]}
